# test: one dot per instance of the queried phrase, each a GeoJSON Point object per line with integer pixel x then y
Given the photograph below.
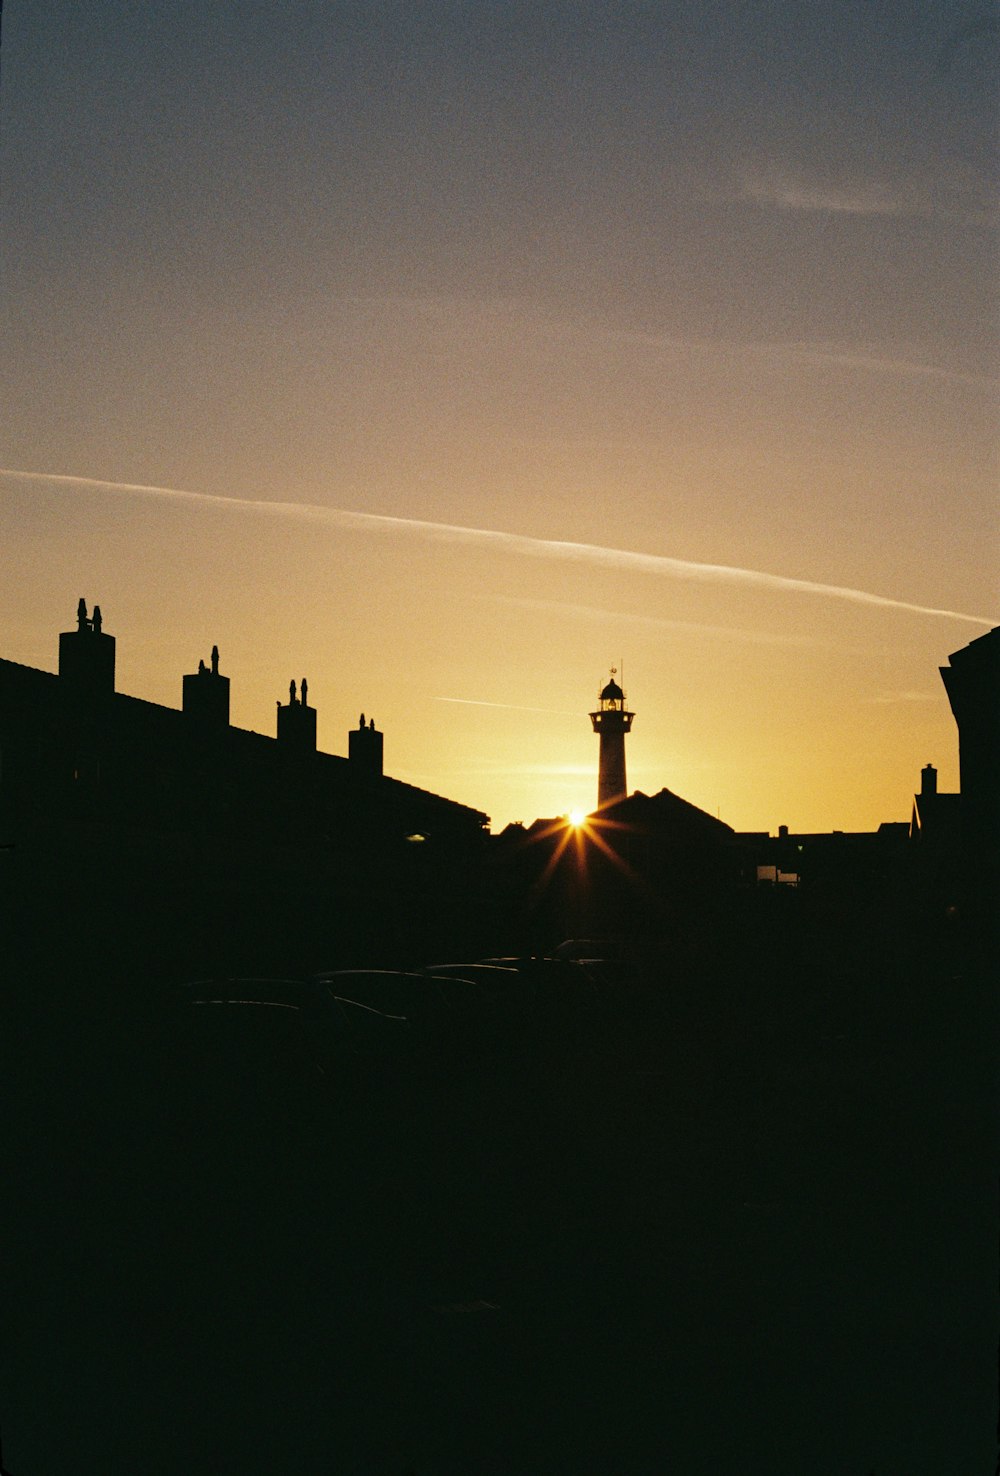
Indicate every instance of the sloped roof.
{"type": "Point", "coordinates": [668, 815]}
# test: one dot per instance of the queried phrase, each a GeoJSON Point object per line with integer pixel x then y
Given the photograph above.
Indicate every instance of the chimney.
{"type": "Point", "coordinates": [928, 780]}
{"type": "Point", "coordinates": [206, 696]}
{"type": "Point", "coordinates": [364, 746]}
{"type": "Point", "coordinates": [87, 657]}
{"type": "Point", "coordinates": [297, 722]}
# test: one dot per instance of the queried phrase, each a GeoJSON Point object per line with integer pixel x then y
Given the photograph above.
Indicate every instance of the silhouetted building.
{"type": "Point", "coordinates": [611, 722]}
{"type": "Point", "coordinates": [153, 768]}
{"type": "Point", "coordinates": [836, 869]}
{"type": "Point", "coordinates": [935, 838]}
{"type": "Point", "coordinates": [131, 815]}
{"type": "Point", "coordinates": [640, 866]}
{"type": "Point", "coordinates": [972, 682]}
{"type": "Point", "coordinates": [934, 821]}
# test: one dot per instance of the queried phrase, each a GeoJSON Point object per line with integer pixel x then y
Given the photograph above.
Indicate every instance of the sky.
{"type": "Point", "coordinates": [450, 354]}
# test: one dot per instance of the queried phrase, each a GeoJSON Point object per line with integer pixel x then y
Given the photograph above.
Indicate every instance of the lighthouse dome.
{"type": "Point", "coordinates": [612, 692]}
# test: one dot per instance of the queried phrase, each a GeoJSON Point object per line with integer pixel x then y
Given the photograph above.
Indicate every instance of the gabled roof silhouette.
{"type": "Point", "coordinates": [669, 816]}
{"type": "Point", "coordinates": [664, 816]}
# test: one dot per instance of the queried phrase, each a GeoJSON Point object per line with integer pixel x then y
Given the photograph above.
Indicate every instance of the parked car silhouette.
{"type": "Point", "coordinates": [264, 1023]}
{"type": "Point", "coordinates": [505, 996]}
{"type": "Point", "coordinates": [562, 988]}
{"type": "Point", "coordinates": [396, 993]}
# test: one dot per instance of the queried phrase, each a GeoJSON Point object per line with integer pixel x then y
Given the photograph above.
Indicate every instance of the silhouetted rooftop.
{"type": "Point", "coordinates": [669, 814]}
{"type": "Point", "coordinates": [154, 751]}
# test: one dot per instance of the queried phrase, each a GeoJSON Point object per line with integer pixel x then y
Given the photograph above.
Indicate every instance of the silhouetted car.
{"type": "Point", "coordinates": [589, 950]}
{"type": "Point", "coordinates": [395, 992]}
{"type": "Point", "coordinates": [560, 985]}
{"type": "Point", "coordinates": [450, 1011]}
{"type": "Point", "coordinates": [410, 996]}
{"type": "Point", "coordinates": [506, 997]}
{"type": "Point", "coordinates": [604, 959]}
{"type": "Point", "coordinates": [292, 1018]}
{"type": "Point", "coordinates": [270, 1091]}
{"type": "Point", "coordinates": [473, 971]}
{"type": "Point", "coordinates": [299, 994]}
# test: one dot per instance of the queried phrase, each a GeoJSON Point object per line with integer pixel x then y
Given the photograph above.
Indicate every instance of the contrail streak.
{"type": "Point", "coordinates": [660, 565]}
{"type": "Point", "coordinates": [508, 706]}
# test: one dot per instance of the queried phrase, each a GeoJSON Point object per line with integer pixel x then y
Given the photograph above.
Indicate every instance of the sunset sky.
{"type": "Point", "coordinates": [448, 354]}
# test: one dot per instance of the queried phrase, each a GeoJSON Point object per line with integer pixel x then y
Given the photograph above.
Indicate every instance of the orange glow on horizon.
{"type": "Point", "coordinates": [451, 459]}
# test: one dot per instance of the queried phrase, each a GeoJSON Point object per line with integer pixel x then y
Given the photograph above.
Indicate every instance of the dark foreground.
{"type": "Point", "coordinates": [739, 1223]}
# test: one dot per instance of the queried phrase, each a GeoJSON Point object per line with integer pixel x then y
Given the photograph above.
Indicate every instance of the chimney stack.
{"type": "Point", "coordinates": [87, 657]}
{"type": "Point", "coordinates": [297, 722]}
{"type": "Point", "coordinates": [206, 696]}
{"type": "Point", "coordinates": [364, 746]}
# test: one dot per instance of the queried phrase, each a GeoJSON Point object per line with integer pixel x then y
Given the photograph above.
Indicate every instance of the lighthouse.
{"type": "Point", "coordinates": [611, 722]}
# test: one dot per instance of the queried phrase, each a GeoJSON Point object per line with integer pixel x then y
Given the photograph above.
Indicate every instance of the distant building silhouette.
{"type": "Point", "coordinates": [972, 682]}
{"type": "Point", "coordinates": [935, 837]}
{"type": "Point", "coordinates": [611, 722]}
{"type": "Point", "coordinates": [934, 820]}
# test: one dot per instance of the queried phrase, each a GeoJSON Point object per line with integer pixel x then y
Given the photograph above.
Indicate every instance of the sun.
{"type": "Point", "coordinates": [576, 818]}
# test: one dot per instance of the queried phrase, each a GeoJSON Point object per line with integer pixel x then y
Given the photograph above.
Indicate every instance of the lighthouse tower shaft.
{"type": "Point", "coordinates": [611, 722]}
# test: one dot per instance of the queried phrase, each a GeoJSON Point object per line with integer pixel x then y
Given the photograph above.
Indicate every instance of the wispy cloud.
{"type": "Point", "coordinates": [516, 544]}
{"type": "Point", "coordinates": [889, 698]}
{"type": "Point", "coordinates": [812, 355]}
{"type": "Point", "coordinates": [697, 627]}
{"type": "Point", "coordinates": [957, 191]}
{"type": "Point", "coordinates": [823, 356]}
{"type": "Point", "coordinates": [788, 189]}
{"type": "Point", "coordinates": [477, 318]}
